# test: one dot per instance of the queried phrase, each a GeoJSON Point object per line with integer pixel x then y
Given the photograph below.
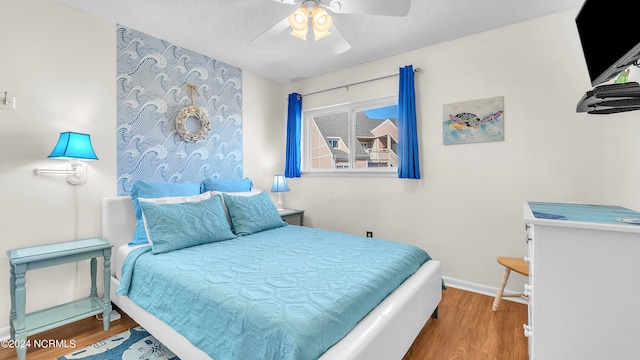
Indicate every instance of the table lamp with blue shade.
{"type": "Point", "coordinates": [72, 146]}
{"type": "Point", "coordinates": [279, 186]}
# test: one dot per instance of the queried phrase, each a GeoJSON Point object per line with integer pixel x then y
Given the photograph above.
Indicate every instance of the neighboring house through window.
{"type": "Point", "coordinates": [352, 137]}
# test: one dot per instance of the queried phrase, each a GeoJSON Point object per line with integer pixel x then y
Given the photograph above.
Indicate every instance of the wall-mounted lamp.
{"type": "Point", "coordinates": [72, 146]}
{"type": "Point", "coordinates": [279, 186]}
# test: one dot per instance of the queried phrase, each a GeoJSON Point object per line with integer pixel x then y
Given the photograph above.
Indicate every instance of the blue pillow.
{"type": "Point", "coordinates": [252, 214]}
{"type": "Point", "coordinates": [230, 185]}
{"type": "Point", "coordinates": [148, 189]}
{"type": "Point", "coordinates": [177, 226]}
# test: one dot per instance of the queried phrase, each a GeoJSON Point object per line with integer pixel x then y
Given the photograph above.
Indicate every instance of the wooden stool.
{"type": "Point", "coordinates": [516, 264]}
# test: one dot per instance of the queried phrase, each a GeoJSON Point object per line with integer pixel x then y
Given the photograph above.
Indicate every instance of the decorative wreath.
{"type": "Point", "coordinates": [189, 111]}
{"type": "Point", "coordinates": [181, 123]}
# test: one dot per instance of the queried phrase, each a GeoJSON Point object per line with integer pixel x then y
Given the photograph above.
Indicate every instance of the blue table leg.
{"type": "Point", "coordinates": [94, 271]}
{"type": "Point", "coordinates": [12, 292]}
{"type": "Point", "coordinates": [106, 318]}
{"type": "Point", "coordinates": [20, 335]}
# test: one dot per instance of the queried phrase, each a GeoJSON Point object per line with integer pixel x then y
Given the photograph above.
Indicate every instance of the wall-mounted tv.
{"type": "Point", "coordinates": [610, 37]}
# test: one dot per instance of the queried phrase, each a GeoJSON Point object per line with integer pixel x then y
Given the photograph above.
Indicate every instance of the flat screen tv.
{"type": "Point", "coordinates": [610, 37]}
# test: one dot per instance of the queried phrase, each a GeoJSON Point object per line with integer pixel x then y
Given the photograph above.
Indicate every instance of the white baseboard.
{"type": "Point", "coordinates": [480, 289]}
{"type": "Point", "coordinates": [449, 282]}
{"type": "Point", "coordinates": [5, 334]}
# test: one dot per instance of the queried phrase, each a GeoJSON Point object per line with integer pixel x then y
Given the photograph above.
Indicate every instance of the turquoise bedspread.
{"type": "Point", "coordinates": [286, 293]}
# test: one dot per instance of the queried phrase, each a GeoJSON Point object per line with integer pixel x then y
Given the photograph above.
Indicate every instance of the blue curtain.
{"type": "Point", "coordinates": [408, 160]}
{"type": "Point", "coordinates": [294, 120]}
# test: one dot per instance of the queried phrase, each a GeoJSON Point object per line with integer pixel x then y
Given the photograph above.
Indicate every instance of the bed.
{"type": "Point", "coordinates": [385, 332]}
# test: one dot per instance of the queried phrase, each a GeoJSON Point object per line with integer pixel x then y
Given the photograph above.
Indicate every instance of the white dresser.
{"type": "Point", "coordinates": [584, 282]}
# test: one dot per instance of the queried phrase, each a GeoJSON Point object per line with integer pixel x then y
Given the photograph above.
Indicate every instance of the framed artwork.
{"type": "Point", "coordinates": [473, 121]}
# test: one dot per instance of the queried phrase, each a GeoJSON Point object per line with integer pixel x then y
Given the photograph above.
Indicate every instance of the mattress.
{"type": "Point", "coordinates": [242, 330]}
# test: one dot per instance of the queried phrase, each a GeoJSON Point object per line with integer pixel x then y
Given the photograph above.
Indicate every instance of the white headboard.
{"type": "Point", "coordinates": [118, 221]}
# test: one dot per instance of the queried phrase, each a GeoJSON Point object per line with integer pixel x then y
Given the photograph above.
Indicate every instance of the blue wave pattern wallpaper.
{"type": "Point", "coordinates": [152, 86]}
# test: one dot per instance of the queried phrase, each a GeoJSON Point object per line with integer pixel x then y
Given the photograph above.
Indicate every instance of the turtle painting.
{"type": "Point", "coordinates": [467, 120]}
{"type": "Point", "coordinates": [473, 121]}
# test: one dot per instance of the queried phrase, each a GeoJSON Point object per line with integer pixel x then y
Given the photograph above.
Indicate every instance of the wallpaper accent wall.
{"type": "Point", "coordinates": [152, 86]}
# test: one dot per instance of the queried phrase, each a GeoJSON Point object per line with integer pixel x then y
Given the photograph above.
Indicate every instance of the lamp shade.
{"type": "Point", "coordinates": [322, 22]}
{"type": "Point", "coordinates": [279, 184]}
{"type": "Point", "coordinates": [73, 145]}
{"type": "Point", "coordinates": [299, 22]}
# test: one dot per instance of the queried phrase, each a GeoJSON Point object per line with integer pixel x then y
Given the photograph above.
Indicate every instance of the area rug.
{"type": "Point", "coordinates": [135, 343]}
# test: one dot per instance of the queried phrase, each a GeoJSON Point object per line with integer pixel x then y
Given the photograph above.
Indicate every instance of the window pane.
{"type": "Point", "coordinates": [377, 133]}
{"type": "Point", "coordinates": [329, 141]}
{"type": "Point", "coordinates": [358, 136]}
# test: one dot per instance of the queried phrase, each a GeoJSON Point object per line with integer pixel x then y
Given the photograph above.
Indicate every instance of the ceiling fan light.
{"type": "Point", "coordinates": [322, 21]}
{"type": "Point", "coordinates": [299, 19]}
{"type": "Point", "coordinates": [300, 34]}
{"type": "Point", "coordinates": [320, 34]}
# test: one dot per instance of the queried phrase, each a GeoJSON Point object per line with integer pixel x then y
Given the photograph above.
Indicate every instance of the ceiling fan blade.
{"type": "Point", "coordinates": [370, 7]}
{"type": "Point", "coordinates": [274, 30]}
{"type": "Point", "coordinates": [336, 41]}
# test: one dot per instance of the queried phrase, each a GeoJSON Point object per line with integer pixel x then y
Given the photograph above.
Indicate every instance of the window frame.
{"type": "Point", "coordinates": [351, 108]}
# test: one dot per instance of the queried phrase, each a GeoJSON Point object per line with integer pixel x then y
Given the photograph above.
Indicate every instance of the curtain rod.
{"type": "Point", "coordinates": [416, 70]}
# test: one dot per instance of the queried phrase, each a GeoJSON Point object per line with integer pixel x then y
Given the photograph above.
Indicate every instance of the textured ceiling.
{"type": "Point", "coordinates": [224, 29]}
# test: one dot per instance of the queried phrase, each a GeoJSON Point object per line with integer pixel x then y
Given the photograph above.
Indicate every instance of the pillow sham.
{"type": "Point", "coordinates": [236, 193]}
{"type": "Point", "coordinates": [252, 214]}
{"type": "Point", "coordinates": [233, 193]}
{"type": "Point", "coordinates": [174, 200]}
{"type": "Point", "coordinates": [236, 185]}
{"type": "Point", "coordinates": [149, 189]}
{"type": "Point", "coordinates": [177, 199]}
{"type": "Point", "coordinates": [180, 225]}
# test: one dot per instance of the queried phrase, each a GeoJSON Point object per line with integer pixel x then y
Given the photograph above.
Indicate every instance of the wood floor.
{"type": "Point", "coordinates": [466, 328]}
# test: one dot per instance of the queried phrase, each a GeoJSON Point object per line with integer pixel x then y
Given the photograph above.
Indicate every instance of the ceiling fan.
{"type": "Point", "coordinates": [315, 13]}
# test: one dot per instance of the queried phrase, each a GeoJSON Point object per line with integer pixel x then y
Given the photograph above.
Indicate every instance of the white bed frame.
{"type": "Point", "coordinates": [386, 333]}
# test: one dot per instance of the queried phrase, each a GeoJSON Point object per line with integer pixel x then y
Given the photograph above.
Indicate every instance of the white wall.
{"type": "Point", "coordinates": [621, 153]}
{"type": "Point", "coordinates": [60, 65]}
{"type": "Point", "coordinates": [263, 135]}
{"type": "Point", "coordinates": [467, 208]}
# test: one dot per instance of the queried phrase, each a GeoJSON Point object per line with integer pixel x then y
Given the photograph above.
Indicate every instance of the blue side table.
{"type": "Point", "coordinates": [36, 257]}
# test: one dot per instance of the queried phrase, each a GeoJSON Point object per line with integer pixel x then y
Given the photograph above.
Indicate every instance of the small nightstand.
{"type": "Point", "coordinates": [36, 257]}
{"type": "Point", "coordinates": [290, 213]}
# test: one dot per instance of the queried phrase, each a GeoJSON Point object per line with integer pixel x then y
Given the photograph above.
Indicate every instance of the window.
{"type": "Point", "coordinates": [350, 138]}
